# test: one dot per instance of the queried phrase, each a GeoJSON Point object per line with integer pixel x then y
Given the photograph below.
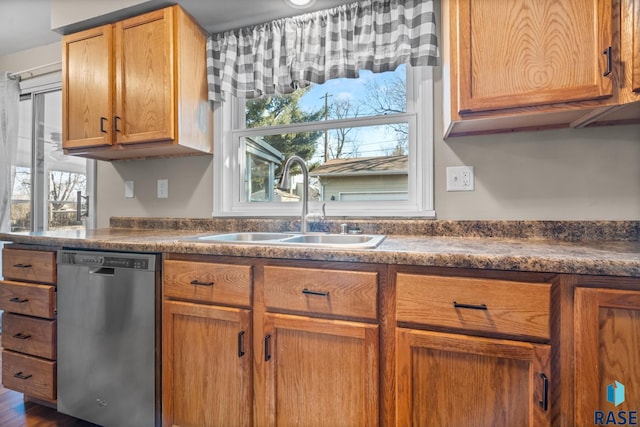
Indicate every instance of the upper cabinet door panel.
{"type": "Point", "coordinates": [87, 86]}
{"type": "Point", "coordinates": [515, 53]}
{"type": "Point", "coordinates": [144, 78]}
{"type": "Point", "coordinates": [635, 85]}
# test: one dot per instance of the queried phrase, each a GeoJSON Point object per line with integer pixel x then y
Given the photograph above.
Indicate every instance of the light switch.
{"type": "Point", "coordinates": [163, 188]}
{"type": "Point", "coordinates": [128, 189]}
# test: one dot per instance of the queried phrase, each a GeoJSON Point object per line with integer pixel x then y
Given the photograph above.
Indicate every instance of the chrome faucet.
{"type": "Point", "coordinates": [285, 185]}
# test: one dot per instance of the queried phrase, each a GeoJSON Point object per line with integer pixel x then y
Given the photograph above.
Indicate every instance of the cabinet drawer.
{"type": "Point", "coordinates": [30, 335]}
{"type": "Point", "coordinates": [30, 266]}
{"type": "Point", "coordinates": [28, 298]}
{"type": "Point", "coordinates": [29, 375]}
{"type": "Point", "coordinates": [483, 305]}
{"type": "Point", "coordinates": [310, 290]}
{"type": "Point", "coordinates": [208, 282]}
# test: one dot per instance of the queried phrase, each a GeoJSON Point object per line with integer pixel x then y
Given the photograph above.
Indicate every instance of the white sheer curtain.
{"type": "Point", "coordinates": [9, 104]}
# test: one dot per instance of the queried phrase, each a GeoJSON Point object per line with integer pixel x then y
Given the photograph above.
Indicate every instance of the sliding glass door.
{"type": "Point", "coordinates": [51, 191]}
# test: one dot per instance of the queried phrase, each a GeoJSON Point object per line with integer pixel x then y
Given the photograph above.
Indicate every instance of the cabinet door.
{"type": "Point", "coordinates": [144, 52]}
{"type": "Point", "coordinates": [636, 43]}
{"type": "Point", "coordinates": [515, 53]}
{"type": "Point", "coordinates": [455, 380]}
{"type": "Point", "coordinates": [320, 372]}
{"type": "Point", "coordinates": [607, 324]}
{"type": "Point", "coordinates": [206, 366]}
{"type": "Point", "coordinates": [87, 88]}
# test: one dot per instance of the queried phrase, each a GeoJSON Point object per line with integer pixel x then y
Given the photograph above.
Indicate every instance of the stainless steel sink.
{"type": "Point", "coordinates": [320, 240]}
{"type": "Point", "coordinates": [245, 237]}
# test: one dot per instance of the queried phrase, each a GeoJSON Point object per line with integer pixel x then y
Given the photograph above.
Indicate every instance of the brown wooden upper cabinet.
{"type": "Point", "coordinates": [634, 44]}
{"type": "Point", "coordinates": [521, 65]}
{"type": "Point", "coordinates": [137, 88]}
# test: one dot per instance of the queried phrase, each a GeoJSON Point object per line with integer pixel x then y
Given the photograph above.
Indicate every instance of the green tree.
{"type": "Point", "coordinates": [285, 109]}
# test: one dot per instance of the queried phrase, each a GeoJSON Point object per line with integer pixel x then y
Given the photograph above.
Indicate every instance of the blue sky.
{"type": "Point", "coordinates": [369, 141]}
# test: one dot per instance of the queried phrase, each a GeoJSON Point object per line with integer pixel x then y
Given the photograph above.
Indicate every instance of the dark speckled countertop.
{"type": "Point", "coordinates": [577, 247]}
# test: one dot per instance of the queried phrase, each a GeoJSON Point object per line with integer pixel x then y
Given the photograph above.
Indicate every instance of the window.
{"type": "Point", "coordinates": [47, 184]}
{"type": "Point", "coordinates": [367, 142]}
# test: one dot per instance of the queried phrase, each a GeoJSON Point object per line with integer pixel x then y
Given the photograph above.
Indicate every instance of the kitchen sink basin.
{"type": "Point", "coordinates": [245, 237]}
{"type": "Point", "coordinates": [321, 240]}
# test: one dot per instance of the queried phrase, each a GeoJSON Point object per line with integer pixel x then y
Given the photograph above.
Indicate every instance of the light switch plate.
{"type": "Point", "coordinates": [163, 188]}
{"type": "Point", "coordinates": [129, 189]}
{"type": "Point", "coordinates": [460, 178]}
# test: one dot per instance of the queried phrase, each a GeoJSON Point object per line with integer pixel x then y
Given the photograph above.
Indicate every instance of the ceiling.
{"type": "Point", "coordinates": [25, 24]}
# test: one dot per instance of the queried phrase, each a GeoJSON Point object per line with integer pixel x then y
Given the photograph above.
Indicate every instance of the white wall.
{"type": "Point", "coordinates": [557, 174]}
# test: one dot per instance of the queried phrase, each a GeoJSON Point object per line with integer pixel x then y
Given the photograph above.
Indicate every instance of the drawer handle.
{"type": "Point", "coordinates": [22, 336]}
{"type": "Point", "coordinates": [21, 376]}
{"type": "Point", "coordinates": [20, 265]}
{"type": "Point", "coordinates": [544, 402]}
{"type": "Point", "coordinates": [199, 283]}
{"type": "Point", "coordinates": [471, 306]}
{"type": "Point", "coordinates": [18, 300]}
{"type": "Point", "coordinates": [310, 292]}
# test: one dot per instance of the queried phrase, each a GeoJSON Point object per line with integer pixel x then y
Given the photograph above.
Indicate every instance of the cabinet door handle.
{"type": "Point", "coordinates": [21, 336]}
{"type": "Point", "coordinates": [102, 122]}
{"type": "Point", "coordinates": [240, 343]}
{"type": "Point", "coordinates": [607, 52]}
{"type": "Point", "coordinates": [267, 349]}
{"type": "Point", "coordinates": [21, 376]}
{"type": "Point", "coordinates": [19, 300]}
{"type": "Point", "coordinates": [310, 292]}
{"type": "Point", "coordinates": [544, 402]}
{"type": "Point", "coordinates": [199, 283]}
{"type": "Point", "coordinates": [116, 119]}
{"type": "Point", "coordinates": [22, 265]}
{"type": "Point", "coordinates": [471, 306]}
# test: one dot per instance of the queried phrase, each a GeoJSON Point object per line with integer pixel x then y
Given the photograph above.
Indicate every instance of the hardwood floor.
{"type": "Point", "coordinates": [15, 412]}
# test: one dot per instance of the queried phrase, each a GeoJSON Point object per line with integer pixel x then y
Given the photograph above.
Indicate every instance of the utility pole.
{"type": "Point", "coordinates": [326, 131]}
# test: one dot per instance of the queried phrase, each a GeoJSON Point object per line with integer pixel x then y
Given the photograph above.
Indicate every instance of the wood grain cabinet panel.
{"type": "Point", "coordinates": [480, 305]}
{"type": "Point", "coordinates": [28, 298]}
{"type": "Point", "coordinates": [30, 266]}
{"type": "Point", "coordinates": [29, 325]}
{"type": "Point", "coordinates": [30, 375]}
{"type": "Point", "coordinates": [29, 335]}
{"type": "Point", "coordinates": [137, 88]}
{"type": "Point", "coordinates": [351, 294]}
{"type": "Point", "coordinates": [634, 22]}
{"type": "Point", "coordinates": [207, 366]}
{"type": "Point", "coordinates": [87, 70]}
{"type": "Point", "coordinates": [607, 330]}
{"type": "Point", "coordinates": [520, 65]}
{"type": "Point", "coordinates": [320, 372]}
{"type": "Point", "coordinates": [448, 380]}
{"type": "Point", "coordinates": [513, 53]}
{"type": "Point", "coordinates": [208, 282]}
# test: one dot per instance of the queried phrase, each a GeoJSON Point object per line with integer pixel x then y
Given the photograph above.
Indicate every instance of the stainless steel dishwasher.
{"type": "Point", "coordinates": [107, 337]}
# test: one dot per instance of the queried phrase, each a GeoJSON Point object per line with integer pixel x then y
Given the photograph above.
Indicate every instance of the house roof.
{"type": "Point", "coordinates": [384, 165]}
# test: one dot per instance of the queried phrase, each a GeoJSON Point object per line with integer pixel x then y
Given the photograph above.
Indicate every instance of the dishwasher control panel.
{"type": "Point", "coordinates": [105, 259]}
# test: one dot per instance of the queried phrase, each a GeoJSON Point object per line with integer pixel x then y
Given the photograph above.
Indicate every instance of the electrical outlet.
{"type": "Point", "coordinates": [163, 188]}
{"type": "Point", "coordinates": [460, 178]}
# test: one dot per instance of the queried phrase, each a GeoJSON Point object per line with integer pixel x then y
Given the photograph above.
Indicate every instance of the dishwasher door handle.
{"type": "Point", "coordinates": [103, 271]}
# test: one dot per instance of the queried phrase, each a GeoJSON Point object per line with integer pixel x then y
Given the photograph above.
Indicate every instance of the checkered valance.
{"type": "Point", "coordinates": [286, 54]}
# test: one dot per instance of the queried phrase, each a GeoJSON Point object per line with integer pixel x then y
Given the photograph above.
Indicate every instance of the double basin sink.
{"type": "Point", "coordinates": [320, 240]}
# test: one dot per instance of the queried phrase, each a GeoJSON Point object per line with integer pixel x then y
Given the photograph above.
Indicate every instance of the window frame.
{"type": "Point", "coordinates": [229, 157]}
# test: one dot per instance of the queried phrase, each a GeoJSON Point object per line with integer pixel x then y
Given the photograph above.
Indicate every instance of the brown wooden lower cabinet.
{"type": "Point", "coordinates": [207, 366]}
{"type": "Point", "coordinates": [457, 380]}
{"type": "Point", "coordinates": [320, 372]}
{"type": "Point", "coordinates": [607, 355]}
